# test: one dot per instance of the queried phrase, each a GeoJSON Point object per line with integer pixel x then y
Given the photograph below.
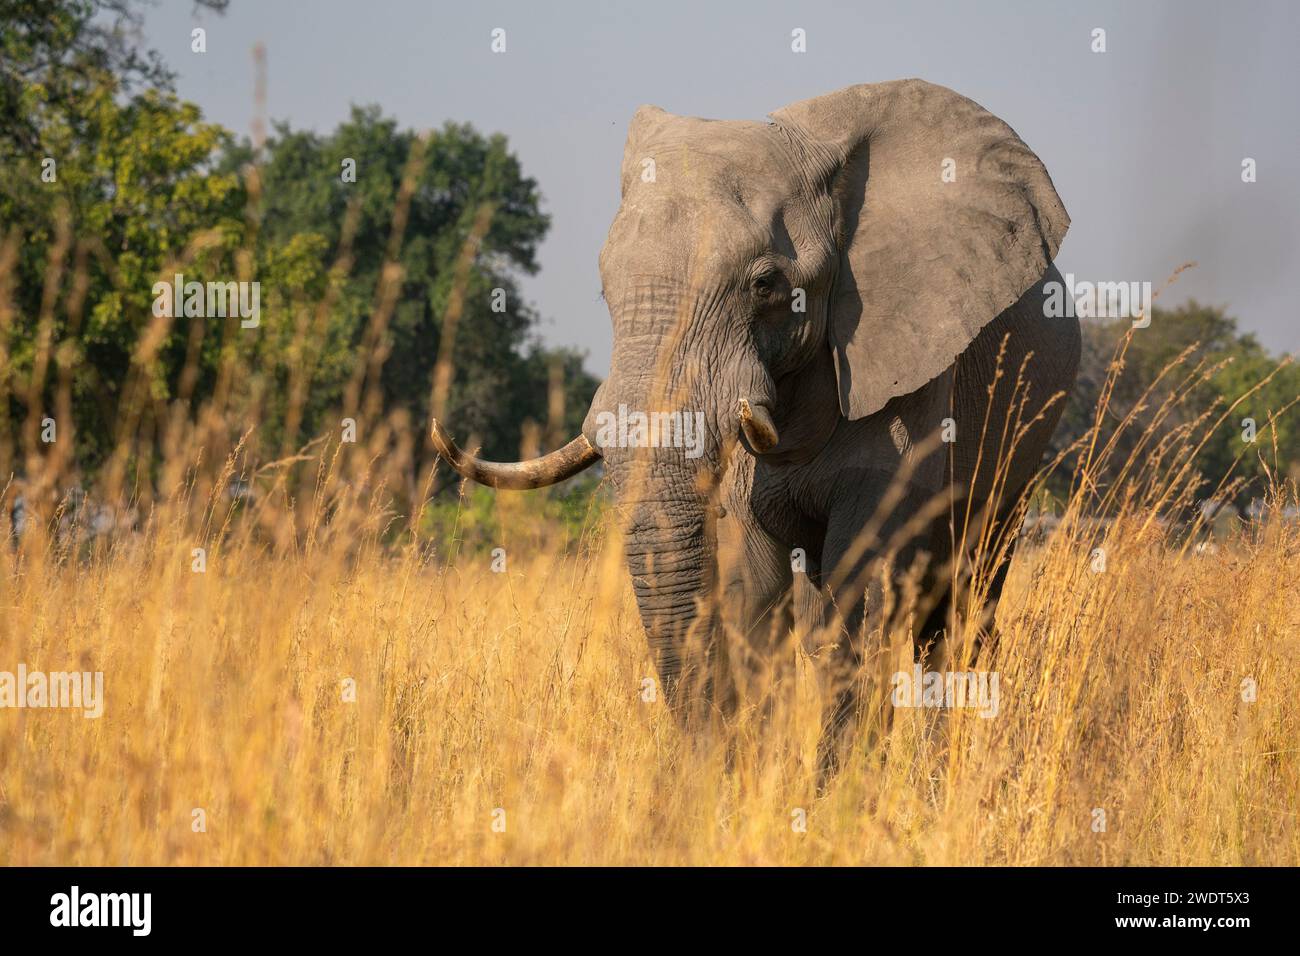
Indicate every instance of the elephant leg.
{"type": "Point", "coordinates": [837, 647]}
{"type": "Point", "coordinates": [932, 635]}
{"type": "Point", "coordinates": [755, 614]}
{"type": "Point", "coordinates": [856, 600]}
{"type": "Point", "coordinates": [989, 568]}
{"type": "Point", "coordinates": [808, 604]}
{"type": "Point", "coordinates": [988, 633]}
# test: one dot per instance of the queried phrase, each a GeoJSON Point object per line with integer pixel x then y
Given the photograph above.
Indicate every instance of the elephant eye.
{"type": "Point", "coordinates": [765, 285]}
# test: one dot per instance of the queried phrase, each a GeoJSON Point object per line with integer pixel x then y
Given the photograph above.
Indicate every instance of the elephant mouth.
{"type": "Point", "coordinates": [636, 429]}
{"type": "Point", "coordinates": [756, 426]}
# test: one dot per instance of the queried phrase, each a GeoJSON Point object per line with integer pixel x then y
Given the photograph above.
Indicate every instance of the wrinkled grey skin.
{"type": "Point", "coordinates": [911, 284]}
{"type": "Point", "coordinates": [833, 291]}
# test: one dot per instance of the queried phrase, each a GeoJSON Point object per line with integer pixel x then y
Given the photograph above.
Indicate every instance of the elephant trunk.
{"type": "Point", "coordinates": [667, 544]}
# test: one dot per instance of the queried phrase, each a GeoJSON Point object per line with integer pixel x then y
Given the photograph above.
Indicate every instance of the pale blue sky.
{"type": "Point", "coordinates": [1144, 142]}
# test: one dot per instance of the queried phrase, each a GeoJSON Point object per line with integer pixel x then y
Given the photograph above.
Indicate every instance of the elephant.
{"type": "Point", "coordinates": [825, 294]}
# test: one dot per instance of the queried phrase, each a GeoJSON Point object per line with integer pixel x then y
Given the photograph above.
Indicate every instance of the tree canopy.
{"type": "Point", "coordinates": [1191, 361]}
{"type": "Point", "coordinates": [354, 237]}
{"type": "Point", "coordinates": [373, 246]}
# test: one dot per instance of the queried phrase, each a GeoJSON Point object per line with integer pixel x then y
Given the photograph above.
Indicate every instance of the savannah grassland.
{"type": "Point", "coordinates": [340, 677]}
{"type": "Point", "coordinates": [475, 691]}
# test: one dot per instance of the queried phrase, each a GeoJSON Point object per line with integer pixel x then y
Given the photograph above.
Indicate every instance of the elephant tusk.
{"type": "Point", "coordinates": [756, 422]}
{"type": "Point", "coordinates": [516, 475]}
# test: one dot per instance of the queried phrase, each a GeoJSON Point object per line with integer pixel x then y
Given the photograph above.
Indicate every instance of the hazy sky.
{"type": "Point", "coordinates": [1144, 142]}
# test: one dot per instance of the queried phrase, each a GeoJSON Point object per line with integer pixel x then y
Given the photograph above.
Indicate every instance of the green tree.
{"type": "Point", "coordinates": [107, 178]}
{"type": "Point", "coordinates": [501, 371]}
{"type": "Point", "coordinates": [1240, 363]}
{"type": "Point", "coordinates": [140, 187]}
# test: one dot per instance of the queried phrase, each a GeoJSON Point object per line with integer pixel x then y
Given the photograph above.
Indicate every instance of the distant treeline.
{"type": "Point", "coordinates": [1192, 362]}
{"type": "Point", "coordinates": [363, 243]}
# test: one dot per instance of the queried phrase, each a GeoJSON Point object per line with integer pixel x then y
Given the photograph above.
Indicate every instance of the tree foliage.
{"type": "Point", "coordinates": [1222, 373]}
{"type": "Point", "coordinates": [367, 243]}
{"type": "Point", "coordinates": [113, 184]}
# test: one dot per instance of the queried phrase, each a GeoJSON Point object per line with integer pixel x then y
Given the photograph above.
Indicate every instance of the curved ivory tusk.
{"type": "Point", "coordinates": [760, 430]}
{"type": "Point", "coordinates": [516, 475]}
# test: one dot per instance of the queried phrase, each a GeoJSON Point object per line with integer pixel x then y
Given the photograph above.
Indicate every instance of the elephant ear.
{"type": "Point", "coordinates": [945, 219]}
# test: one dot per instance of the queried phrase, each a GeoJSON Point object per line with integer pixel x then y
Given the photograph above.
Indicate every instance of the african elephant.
{"type": "Point", "coordinates": [824, 295]}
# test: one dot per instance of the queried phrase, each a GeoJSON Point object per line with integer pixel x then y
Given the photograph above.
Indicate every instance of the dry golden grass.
{"type": "Point", "coordinates": [516, 698]}
{"type": "Point", "coordinates": [475, 690]}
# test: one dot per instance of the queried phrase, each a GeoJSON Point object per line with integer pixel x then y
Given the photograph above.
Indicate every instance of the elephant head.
{"type": "Point", "coordinates": [851, 247]}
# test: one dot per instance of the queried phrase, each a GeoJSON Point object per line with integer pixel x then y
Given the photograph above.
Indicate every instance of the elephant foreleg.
{"type": "Point", "coordinates": [755, 614]}
{"type": "Point", "coordinates": [975, 593]}
{"type": "Point", "coordinates": [836, 650]}
{"type": "Point", "coordinates": [853, 586]}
